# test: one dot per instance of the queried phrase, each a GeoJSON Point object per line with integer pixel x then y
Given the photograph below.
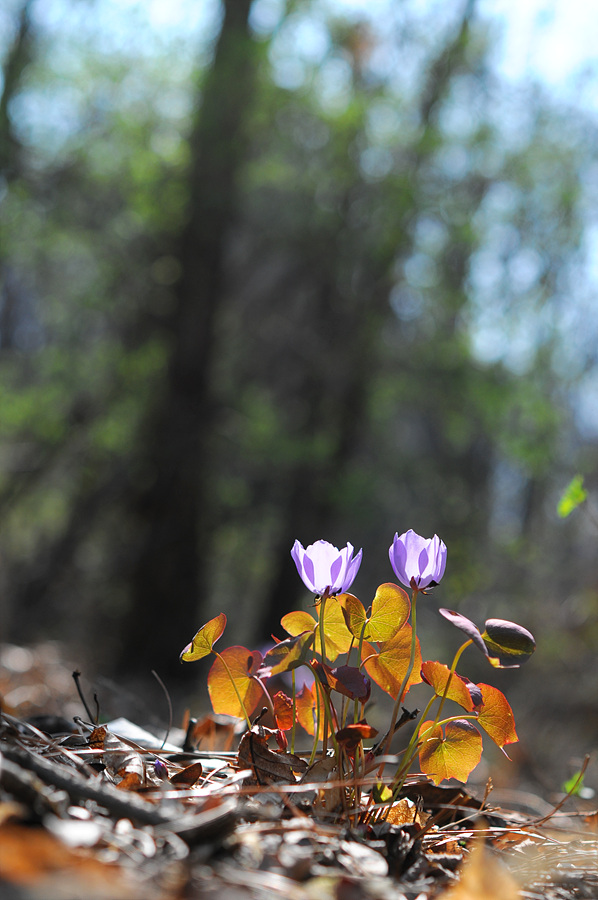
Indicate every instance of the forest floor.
{"type": "Point", "coordinates": [115, 812]}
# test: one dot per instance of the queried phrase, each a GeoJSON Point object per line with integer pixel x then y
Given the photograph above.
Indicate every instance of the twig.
{"type": "Point", "coordinates": [169, 702]}
{"type": "Point", "coordinates": [90, 716]}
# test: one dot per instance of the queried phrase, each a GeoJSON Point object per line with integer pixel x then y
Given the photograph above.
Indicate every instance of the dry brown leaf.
{"type": "Point", "coordinates": [483, 878]}
{"type": "Point", "coordinates": [268, 766]}
{"type": "Point", "coordinates": [404, 812]}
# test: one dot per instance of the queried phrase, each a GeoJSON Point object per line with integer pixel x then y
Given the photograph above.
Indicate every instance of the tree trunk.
{"type": "Point", "coordinates": [168, 583]}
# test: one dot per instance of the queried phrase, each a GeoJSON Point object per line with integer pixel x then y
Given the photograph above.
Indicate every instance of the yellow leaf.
{"type": "Point", "coordinates": [390, 610]}
{"type": "Point", "coordinates": [388, 664]}
{"type": "Point", "coordinates": [204, 640]}
{"type": "Point", "coordinates": [453, 753]}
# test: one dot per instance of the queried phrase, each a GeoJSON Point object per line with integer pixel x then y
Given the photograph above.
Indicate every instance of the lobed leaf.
{"type": "Point", "coordinates": [453, 753]}
{"type": "Point", "coordinates": [496, 716]}
{"type": "Point", "coordinates": [204, 640]}
{"type": "Point", "coordinates": [436, 675]}
{"type": "Point", "coordinates": [242, 664]}
{"type": "Point", "coordinates": [349, 681]}
{"type": "Point", "coordinates": [388, 664]}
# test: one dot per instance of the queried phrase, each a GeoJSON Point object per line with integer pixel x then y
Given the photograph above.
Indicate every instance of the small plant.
{"type": "Point", "coordinates": [349, 646]}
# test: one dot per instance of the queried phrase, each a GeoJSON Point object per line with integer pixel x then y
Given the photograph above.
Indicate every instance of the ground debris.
{"type": "Point", "coordinates": [114, 813]}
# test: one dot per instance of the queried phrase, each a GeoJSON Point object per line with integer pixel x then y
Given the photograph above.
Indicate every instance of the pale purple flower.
{"type": "Point", "coordinates": [417, 562]}
{"type": "Point", "coordinates": [324, 568]}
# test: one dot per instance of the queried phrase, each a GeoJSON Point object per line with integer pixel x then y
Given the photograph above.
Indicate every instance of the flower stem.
{"type": "Point", "coordinates": [403, 688]}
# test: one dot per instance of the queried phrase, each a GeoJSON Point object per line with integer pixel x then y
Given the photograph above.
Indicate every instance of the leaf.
{"type": "Point", "coordinates": [283, 710]}
{"type": "Point", "coordinates": [349, 681]}
{"type": "Point", "coordinates": [352, 735]}
{"type": "Point", "coordinates": [338, 638]}
{"type": "Point", "coordinates": [390, 610]}
{"type": "Point", "coordinates": [204, 640]}
{"type": "Point", "coordinates": [436, 675]}
{"type": "Point", "coordinates": [467, 626]}
{"type": "Point", "coordinates": [267, 765]}
{"type": "Point", "coordinates": [572, 497]}
{"type": "Point", "coordinates": [306, 704]}
{"type": "Point", "coordinates": [288, 654]}
{"type": "Point", "coordinates": [241, 663]}
{"type": "Point", "coordinates": [508, 645]}
{"type": "Point", "coordinates": [496, 716]}
{"type": "Point", "coordinates": [188, 776]}
{"type": "Point", "coordinates": [453, 753]}
{"type": "Point", "coordinates": [389, 663]}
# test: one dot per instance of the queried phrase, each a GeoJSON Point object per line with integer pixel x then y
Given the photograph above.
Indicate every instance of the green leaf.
{"type": "Point", "coordinates": [572, 497]}
{"type": "Point", "coordinates": [204, 640]}
{"type": "Point", "coordinates": [574, 785]}
{"type": "Point", "coordinates": [338, 638]}
{"type": "Point", "coordinates": [453, 753]}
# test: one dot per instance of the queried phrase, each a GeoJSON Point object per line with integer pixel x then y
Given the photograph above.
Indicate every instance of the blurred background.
{"type": "Point", "coordinates": [314, 269]}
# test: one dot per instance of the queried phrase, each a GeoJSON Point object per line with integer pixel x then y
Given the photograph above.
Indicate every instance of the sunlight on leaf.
{"type": "Point", "coordinates": [241, 663]}
{"type": "Point", "coordinates": [307, 704]}
{"type": "Point", "coordinates": [452, 754]}
{"type": "Point", "coordinates": [283, 710]}
{"type": "Point", "coordinates": [388, 663]}
{"type": "Point", "coordinates": [572, 497]}
{"type": "Point", "coordinates": [496, 716]}
{"type": "Point", "coordinates": [436, 674]}
{"type": "Point", "coordinates": [390, 610]}
{"type": "Point", "coordinates": [287, 655]}
{"type": "Point", "coordinates": [338, 638]}
{"type": "Point", "coordinates": [204, 640]}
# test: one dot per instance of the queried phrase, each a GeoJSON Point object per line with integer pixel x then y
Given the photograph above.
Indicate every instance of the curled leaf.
{"type": "Point", "coordinates": [508, 644]}
{"type": "Point", "coordinates": [204, 640]}
{"type": "Point", "coordinates": [288, 654]}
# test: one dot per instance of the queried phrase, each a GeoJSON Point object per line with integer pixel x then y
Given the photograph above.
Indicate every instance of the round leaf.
{"type": "Point", "coordinates": [390, 610]}
{"type": "Point", "coordinates": [235, 664]}
{"type": "Point", "coordinates": [508, 644]}
{"type": "Point", "coordinates": [388, 664]}
{"type": "Point", "coordinates": [452, 754]}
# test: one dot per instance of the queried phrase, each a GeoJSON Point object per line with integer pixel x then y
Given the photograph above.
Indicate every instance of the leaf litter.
{"type": "Point", "coordinates": [112, 811]}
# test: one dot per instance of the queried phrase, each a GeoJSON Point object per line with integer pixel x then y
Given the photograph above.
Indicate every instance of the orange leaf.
{"type": "Point", "coordinates": [496, 716]}
{"type": "Point", "coordinates": [452, 754]}
{"type": "Point", "coordinates": [235, 664]}
{"type": "Point", "coordinates": [204, 640]}
{"type": "Point", "coordinates": [283, 710]}
{"type": "Point", "coordinates": [307, 704]}
{"type": "Point", "coordinates": [388, 665]}
{"type": "Point", "coordinates": [390, 610]}
{"type": "Point", "coordinates": [436, 674]}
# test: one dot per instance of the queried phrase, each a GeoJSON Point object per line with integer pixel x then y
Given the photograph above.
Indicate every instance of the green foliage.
{"type": "Point", "coordinates": [572, 497]}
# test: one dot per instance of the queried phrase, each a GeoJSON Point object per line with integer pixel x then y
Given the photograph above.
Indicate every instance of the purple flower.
{"type": "Point", "coordinates": [325, 569]}
{"type": "Point", "coordinates": [417, 562]}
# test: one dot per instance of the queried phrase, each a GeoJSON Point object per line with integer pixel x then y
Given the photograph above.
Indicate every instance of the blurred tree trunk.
{"type": "Point", "coordinates": [356, 336]}
{"type": "Point", "coordinates": [168, 583]}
